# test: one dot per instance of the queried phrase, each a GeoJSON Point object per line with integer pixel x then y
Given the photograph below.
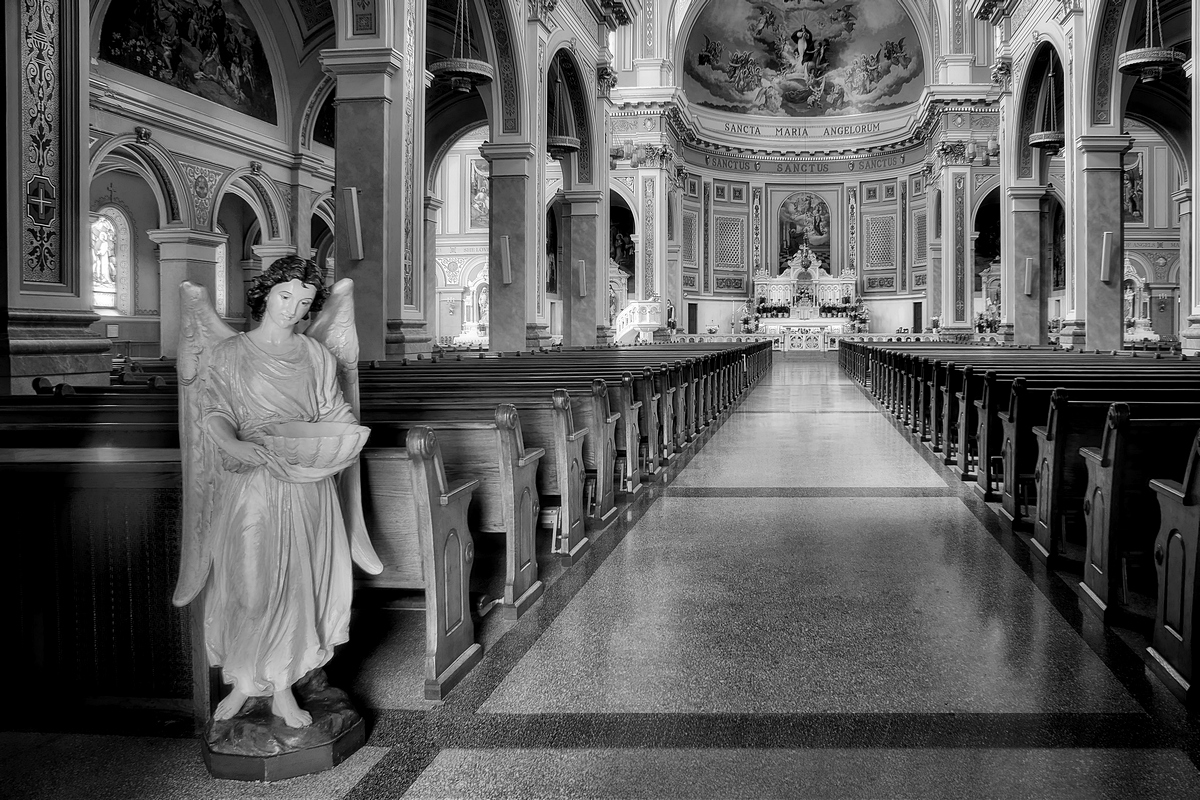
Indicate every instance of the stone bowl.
{"type": "Point", "coordinates": [304, 452]}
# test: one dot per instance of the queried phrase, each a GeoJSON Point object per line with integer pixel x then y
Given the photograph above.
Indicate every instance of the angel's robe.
{"type": "Point", "coordinates": [278, 598]}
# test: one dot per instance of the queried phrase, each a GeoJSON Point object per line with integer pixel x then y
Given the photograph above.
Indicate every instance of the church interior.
{"type": "Point", "coordinates": [696, 335]}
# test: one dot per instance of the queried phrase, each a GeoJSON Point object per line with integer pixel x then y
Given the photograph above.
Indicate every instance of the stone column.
{"type": "Point", "coordinates": [183, 255]}
{"type": "Point", "coordinates": [511, 268]}
{"type": "Point", "coordinates": [583, 271]}
{"type": "Point", "coordinates": [1027, 313]}
{"type": "Point", "coordinates": [369, 165]}
{"type": "Point", "coordinates": [1098, 193]}
{"type": "Point", "coordinates": [46, 307]}
{"type": "Point", "coordinates": [268, 254]}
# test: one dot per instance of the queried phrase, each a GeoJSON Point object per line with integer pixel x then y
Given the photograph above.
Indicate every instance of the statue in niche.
{"type": "Point", "coordinates": [272, 515]}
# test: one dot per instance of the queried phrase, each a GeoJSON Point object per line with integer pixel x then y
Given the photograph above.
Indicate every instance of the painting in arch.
{"type": "Point", "coordinates": [803, 58]}
{"type": "Point", "coordinates": [208, 48]}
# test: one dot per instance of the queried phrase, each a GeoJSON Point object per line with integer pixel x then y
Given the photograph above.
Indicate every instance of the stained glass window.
{"type": "Point", "coordinates": [104, 262]}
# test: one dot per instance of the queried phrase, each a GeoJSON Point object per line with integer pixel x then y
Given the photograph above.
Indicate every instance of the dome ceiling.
{"type": "Point", "coordinates": [802, 58]}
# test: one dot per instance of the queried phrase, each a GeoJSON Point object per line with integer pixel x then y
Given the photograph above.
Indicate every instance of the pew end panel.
{"type": "Point", "coordinates": [518, 467]}
{"type": "Point", "coordinates": [418, 524]}
{"type": "Point", "coordinates": [1174, 647]}
{"type": "Point", "coordinates": [570, 543]}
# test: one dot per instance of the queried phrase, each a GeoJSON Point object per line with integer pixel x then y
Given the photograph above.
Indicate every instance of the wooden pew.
{"type": "Point", "coordinates": [106, 499]}
{"type": "Point", "coordinates": [1174, 648]}
{"type": "Point", "coordinates": [1120, 509]}
{"type": "Point", "coordinates": [559, 478]}
{"type": "Point", "coordinates": [1061, 475]}
{"type": "Point", "coordinates": [505, 503]}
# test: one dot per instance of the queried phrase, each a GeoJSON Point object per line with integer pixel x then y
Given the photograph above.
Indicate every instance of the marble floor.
{"type": "Point", "coordinates": [810, 607]}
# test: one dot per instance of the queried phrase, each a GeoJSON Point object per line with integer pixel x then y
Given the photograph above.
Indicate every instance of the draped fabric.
{"type": "Point", "coordinates": [278, 598]}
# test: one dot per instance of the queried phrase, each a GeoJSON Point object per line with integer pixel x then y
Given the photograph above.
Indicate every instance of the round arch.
{"type": "Point", "coordinates": [583, 160]}
{"type": "Point", "coordinates": [1031, 108]}
{"type": "Point", "coordinates": [263, 196]}
{"type": "Point", "coordinates": [159, 168]}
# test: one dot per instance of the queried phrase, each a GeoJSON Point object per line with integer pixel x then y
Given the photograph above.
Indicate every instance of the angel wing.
{"type": "Point", "coordinates": [200, 330]}
{"type": "Point", "coordinates": [334, 328]}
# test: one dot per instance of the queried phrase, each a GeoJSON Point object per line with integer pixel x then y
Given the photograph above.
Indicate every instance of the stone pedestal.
{"type": "Point", "coordinates": [58, 345]}
{"type": "Point", "coordinates": [256, 745]}
{"type": "Point", "coordinates": [407, 338]}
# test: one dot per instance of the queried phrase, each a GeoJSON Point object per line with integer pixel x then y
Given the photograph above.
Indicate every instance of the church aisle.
{"type": "Point", "coordinates": [812, 607]}
{"type": "Point", "coordinates": [809, 609]}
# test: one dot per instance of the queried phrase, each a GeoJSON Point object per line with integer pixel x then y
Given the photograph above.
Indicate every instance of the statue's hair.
{"type": "Point", "coordinates": [286, 269]}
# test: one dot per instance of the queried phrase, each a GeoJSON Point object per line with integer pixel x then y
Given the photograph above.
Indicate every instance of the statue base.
{"type": "Point", "coordinates": [256, 745]}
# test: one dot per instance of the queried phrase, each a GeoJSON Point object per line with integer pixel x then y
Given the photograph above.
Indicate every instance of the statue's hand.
{"type": "Point", "coordinates": [245, 452]}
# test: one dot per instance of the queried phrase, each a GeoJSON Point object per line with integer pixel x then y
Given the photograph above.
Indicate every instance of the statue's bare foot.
{"type": "Point", "coordinates": [283, 704]}
{"type": "Point", "coordinates": [231, 705]}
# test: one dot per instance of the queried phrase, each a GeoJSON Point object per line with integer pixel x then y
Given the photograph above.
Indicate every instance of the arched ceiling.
{"type": "Point", "coordinates": [802, 58]}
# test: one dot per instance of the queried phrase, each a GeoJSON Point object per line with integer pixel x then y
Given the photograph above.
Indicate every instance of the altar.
{"type": "Point", "coordinates": [806, 294]}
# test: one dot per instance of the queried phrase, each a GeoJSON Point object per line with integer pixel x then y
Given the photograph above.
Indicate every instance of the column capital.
{"type": "Point", "coordinates": [1102, 152]}
{"type": "Point", "coordinates": [185, 238]}
{"type": "Point", "coordinates": [273, 251]}
{"type": "Point", "coordinates": [362, 61]}
{"type": "Point", "coordinates": [507, 151]}
{"type": "Point", "coordinates": [1025, 198]}
{"type": "Point", "coordinates": [433, 203]}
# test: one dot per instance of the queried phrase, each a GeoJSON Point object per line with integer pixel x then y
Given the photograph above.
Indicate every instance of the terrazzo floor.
{"type": "Point", "coordinates": [811, 606]}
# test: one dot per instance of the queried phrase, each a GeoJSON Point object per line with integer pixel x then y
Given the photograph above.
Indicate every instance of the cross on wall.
{"type": "Point", "coordinates": [40, 200]}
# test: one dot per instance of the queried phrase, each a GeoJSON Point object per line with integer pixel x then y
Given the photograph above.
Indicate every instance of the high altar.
{"type": "Point", "coordinates": [805, 285]}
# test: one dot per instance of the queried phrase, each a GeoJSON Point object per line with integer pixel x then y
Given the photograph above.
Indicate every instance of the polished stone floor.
{"type": "Point", "coordinates": [811, 606]}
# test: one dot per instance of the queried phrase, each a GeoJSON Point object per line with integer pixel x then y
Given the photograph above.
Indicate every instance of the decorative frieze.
{"type": "Point", "coordinates": [41, 135]}
{"type": "Point", "coordinates": [203, 182]}
{"type": "Point", "coordinates": [648, 240]}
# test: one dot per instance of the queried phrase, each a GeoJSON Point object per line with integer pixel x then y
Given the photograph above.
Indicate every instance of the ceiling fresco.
{"type": "Point", "coordinates": [803, 58]}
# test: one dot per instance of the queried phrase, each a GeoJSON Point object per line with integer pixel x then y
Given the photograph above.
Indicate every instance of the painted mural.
{"type": "Point", "coordinates": [1132, 189]}
{"type": "Point", "coordinates": [206, 47]}
{"type": "Point", "coordinates": [803, 58]}
{"type": "Point", "coordinates": [804, 222]}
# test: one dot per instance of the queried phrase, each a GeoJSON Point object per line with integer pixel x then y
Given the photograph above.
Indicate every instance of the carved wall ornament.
{"type": "Point", "coordinates": [647, 247]}
{"type": "Point", "coordinates": [1002, 74]}
{"type": "Point", "coordinates": [953, 152]}
{"type": "Point", "coordinates": [203, 181]}
{"type": "Point", "coordinates": [256, 168]}
{"type": "Point", "coordinates": [618, 11]}
{"type": "Point", "coordinates": [606, 79]}
{"type": "Point", "coordinates": [986, 9]}
{"type": "Point", "coordinates": [142, 134]}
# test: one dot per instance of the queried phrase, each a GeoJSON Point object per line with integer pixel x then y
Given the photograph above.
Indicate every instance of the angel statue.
{"type": "Point", "coordinates": [272, 506]}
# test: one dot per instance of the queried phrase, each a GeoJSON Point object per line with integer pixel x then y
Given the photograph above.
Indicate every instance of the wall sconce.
{"type": "Point", "coordinates": [971, 151]}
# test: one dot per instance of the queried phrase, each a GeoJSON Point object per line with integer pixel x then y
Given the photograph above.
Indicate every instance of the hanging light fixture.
{"type": "Point", "coordinates": [1150, 61]}
{"type": "Point", "coordinates": [1051, 138]}
{"type": "Point", "coordinates": [462, 71]}
{"type": "Point", "coordinates": [559, 141]}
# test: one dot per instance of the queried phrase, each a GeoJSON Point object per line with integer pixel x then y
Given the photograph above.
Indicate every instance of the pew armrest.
{"type": "Point", "coordinates": [533, 455]}
{"type": "Point", "coordinates": [458, 489]}
{"type": "Point", "coordinates": [1171, 490]}
{"type": "Point", "coordinates": [1093, 455]}
{"type": "Point", "coordinates": [575, 436]}
{"type": "Point", "coordinates": [612, 418]}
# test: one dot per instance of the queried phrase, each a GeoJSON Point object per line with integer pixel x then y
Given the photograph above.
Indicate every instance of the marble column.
{"type": "Point", "coordinates": [1098, 193]}
{"type": "Point", "coordinates": [1027, 312]}
{"type": "Point", "coordinates": [47, 305]}
{"type": "Point", "coordinates": [183, 255]}
{"type": "Point", "coordinates": [433, 207]}
{"type": "Point", "coordinates": [370, 171]}
{"type": "Point", "coordinates": [512, 250]}
{"type": "Point", "coordinates": [1189, 306]}
{"type": "Point", "coordinates": [582, 275]}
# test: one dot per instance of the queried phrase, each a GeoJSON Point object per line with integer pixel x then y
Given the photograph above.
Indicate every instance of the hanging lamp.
{"type": "Point", "coordinates": [559, 141]}
{"type": "Point", "coordinates": [1151, 61]}
{"type": "Point", "coordinates": [1051, 138]}
{"type": "Point", "coordinates": [461, 71]}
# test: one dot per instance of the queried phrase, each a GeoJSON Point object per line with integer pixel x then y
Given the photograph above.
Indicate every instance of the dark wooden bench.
{"type": "Point", "coordinates": [1173, 641]}
{"type": "Point", "coordinates": [1120, 509]}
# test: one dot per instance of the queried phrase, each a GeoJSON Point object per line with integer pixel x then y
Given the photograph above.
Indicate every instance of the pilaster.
{"type": "Point", "coordinates": [512, 272]}
{"type": "Point", "coordinates": [1098, 192]}
{"type": "Point", "coordinates": [1023, 254]}
{"type": "Point", "coordinates": [581, 271]}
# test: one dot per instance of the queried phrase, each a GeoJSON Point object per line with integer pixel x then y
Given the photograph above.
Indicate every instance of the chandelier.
{"type": "Point", "coordinates": [1051, 137]}
{"type": "Point", "coordinates": [1153, 59]}
{"type": "Point", "coordinates": [559, 141]}
{"type": "Point", "coordinates": [462, 72]}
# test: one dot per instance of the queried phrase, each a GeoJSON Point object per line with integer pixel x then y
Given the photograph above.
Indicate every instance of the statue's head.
{"type": "Point", "coordinates": [286, 269]}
